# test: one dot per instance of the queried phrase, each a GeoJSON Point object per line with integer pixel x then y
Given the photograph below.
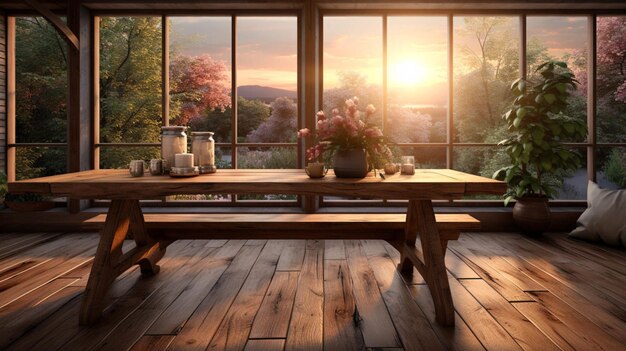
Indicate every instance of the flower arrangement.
{"type": "Point", "coordinates": [348, 132]}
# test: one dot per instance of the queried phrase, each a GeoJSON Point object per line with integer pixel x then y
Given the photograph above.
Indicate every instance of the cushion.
{"type": "Point", "coordinates": [605, 217]}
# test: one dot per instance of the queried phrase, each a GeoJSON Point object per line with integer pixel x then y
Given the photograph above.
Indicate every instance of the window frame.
{"type": "Point", "coordinates": [310, 39]}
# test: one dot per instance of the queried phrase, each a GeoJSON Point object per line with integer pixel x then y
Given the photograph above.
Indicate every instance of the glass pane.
{"type": "Point", "coordinates": [486, 62]}
{"type": "Point", "coordinates": [200, 74]}
{"type": "Point", "coordinates": [425, 157]}
{"type": "Point", "coordinates": [353, 63]}
{"type": "Point", "coordinates": [417, 76]}
{"type": "Point", "coordinates": [611, 79]}
{"type": "Point", "coordinates": [562, 39]}
{"type": "Point", "coordinates": [120, 157]}
{"type": "Point", "coordinates": [33, 162]}
{"type": "Point", "coordinates": [41, 82]}
{"type": "Point", "coordinates": [611, 166]}
{"type": "Point", "coordinates": [267, 78]}
{"type": "Point", "coordinates": [574, 185]}
{"type": "Point", "coordinates": [222, 160]}
{"type": "Point", "coordinates": [130, 79]}
{"type": "Point", "coordinates": [267, 158]}
{"type": "Point", "coordinates": [223, 157]}
{"type": "Point", "coordinates": [482, 161]}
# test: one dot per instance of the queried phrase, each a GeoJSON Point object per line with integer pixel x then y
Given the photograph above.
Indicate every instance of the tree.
{"type": "Point", "coordinates": [197, 85]}
{"type": "Point", "coordinates": [408, 126]}
{"type": "Point", "coordinates": [354, 84]}
{"type": "Point", "coordinates": [250, 114]}
{"type": "Point", "coordinates": [481, 92]}
{"type": "Point", "coordinates": [41, 97]}
{"type": "Point", "coordinates": [130, 84]}
{"type": "Point", "coordinates": [611, 79]}
{"type": "Point", "coordinates": [281, 125]}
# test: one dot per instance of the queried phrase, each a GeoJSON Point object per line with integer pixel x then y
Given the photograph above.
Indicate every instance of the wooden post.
{"type": "Point", "coordinates": [79, 100]}
{"type": "Point", "coordinates": [11, 99]}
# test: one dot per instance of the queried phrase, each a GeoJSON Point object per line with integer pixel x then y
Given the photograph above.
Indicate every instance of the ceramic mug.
{"type": "Point", "coordinates": [156, 166]}
{"type": "Point", "coordinates": [316, 170]}
{"type": "Point", "coordinates": [136, 168]}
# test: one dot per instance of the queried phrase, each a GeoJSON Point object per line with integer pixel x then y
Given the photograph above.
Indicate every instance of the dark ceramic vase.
{"type": "Point", "coordinates": [532, 214]}
{"type": "Point", "coordinates": [350, 163]}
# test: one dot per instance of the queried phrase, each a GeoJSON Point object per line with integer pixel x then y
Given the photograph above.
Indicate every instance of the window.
{"type": "Point", "coordinates": [439, 82]}
{"type": "Point", "coordinates": [564, 39]}
{"type": "Point", "coordinates": [130, 90]}
{"type": "Point", "coordinates": [611, 100]}
{"type": "Point", "coordinates": [255, 128]}
{"type": "Point", "coordinates": [41, 99]}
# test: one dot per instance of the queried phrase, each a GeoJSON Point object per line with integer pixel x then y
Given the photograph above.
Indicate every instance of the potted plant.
{"type": "Point", "coordinates": [538, 127]}
{"type": "Point", "coordinates": [354, 145]}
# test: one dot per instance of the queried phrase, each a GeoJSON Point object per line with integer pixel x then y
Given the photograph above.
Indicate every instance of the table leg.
{"type": "Point", "coordinates": [430, 260]}
{"type": "Point", "coordinates": [124, 217]}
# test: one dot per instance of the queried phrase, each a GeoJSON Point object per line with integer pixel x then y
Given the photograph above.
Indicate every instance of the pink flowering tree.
{"type": "Point", "coordinates": [198, 85]}
{"type": "Point", "coordinates": [280, 126]}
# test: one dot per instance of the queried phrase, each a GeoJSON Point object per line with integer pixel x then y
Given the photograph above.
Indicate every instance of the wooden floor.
{"type": "Point", "coordinates": [510, 293]}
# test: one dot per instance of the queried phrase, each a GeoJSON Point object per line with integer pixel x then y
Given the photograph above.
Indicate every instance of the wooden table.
{"type": "Point", "coordinates": [125, 216]}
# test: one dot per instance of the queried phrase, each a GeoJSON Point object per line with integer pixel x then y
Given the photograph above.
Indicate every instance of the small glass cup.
{"type": "Point", "coordinates": [408, 165]}
{"type": "Point", "coordinates": [136, 168]}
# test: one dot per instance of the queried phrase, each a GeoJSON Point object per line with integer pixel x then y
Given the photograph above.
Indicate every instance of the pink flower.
{"type": "Point", "coordinates": [370, 109]}
{"type": "Point", "coordinates": [350, 104]}
{"type": "Point", "coordinates": [304, 132]}
{"type": "Point", "coordinates": [337, 121]}
{"type": "Point", "coordinates": [356, 100]}
{"type": "Point", "coordinates": [373, 132]}
{"type": "Point", "coordinates": [335, 112]}
{"type": "Point", "coordinates": [320, 116]}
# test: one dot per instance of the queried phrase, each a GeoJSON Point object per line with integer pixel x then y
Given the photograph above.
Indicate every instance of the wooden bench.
{"type": "Point", "coordinates": [330, 226]}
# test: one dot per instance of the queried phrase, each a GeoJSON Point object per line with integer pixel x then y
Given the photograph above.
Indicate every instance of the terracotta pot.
{"type": "Point", "coordinates": [350, 163]}
{"type": "Point", "coordinates": [532, 214]}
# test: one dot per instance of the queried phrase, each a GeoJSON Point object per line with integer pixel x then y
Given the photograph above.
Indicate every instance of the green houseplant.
{"type": "Point", "coordinates": [538, 127]}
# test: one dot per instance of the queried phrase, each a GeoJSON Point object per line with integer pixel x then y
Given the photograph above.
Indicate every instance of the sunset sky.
{"type": "Point", "coordinates": [417, 46]}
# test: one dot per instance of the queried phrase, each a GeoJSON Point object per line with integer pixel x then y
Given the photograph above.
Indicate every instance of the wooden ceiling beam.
{"type": "Point", "coordinates": [56, 21]}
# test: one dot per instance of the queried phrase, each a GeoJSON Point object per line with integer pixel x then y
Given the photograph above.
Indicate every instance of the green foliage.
{"type": "Point", "coordinates": [130, 79]}
{"type": "Point", "coordinates": [26, 197]}
{"type": "Point", "coordinates": [615, 167]}
{"type": "Point", "coordinates": [3, 186]}
{"type": "Point", "coordinates": [538, 127]}
{"type": "Point", "coordinates": [250, 115]}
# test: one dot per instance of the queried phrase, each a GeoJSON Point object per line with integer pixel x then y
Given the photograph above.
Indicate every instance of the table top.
{"type": "Point", "coordinates": [118, 184]}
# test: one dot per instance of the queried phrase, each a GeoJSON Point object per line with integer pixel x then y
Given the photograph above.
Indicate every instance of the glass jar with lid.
{"type": "Point", "coordinates": [203, 149]}
{"type": "Point", "coordinates": [173, 141]}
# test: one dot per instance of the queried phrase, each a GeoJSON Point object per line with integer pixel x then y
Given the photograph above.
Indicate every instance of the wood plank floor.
{"type": "Point", "coordinates": [511, 293]}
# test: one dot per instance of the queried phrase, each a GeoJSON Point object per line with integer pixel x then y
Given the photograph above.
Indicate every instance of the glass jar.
{"type": "Point", "coordinates": [203, 149]}
{"type": "Point", "coordinates": [173, 141]}
{"type": "Point", "coordinates": [408, 165]}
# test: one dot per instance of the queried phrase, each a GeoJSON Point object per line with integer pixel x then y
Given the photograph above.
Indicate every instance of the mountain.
{"type": "Point", "coordinates": [264, 93]}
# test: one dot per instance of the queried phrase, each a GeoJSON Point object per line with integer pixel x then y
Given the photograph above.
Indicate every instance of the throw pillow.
{"type": "Point", "coordinates": [605, 216]}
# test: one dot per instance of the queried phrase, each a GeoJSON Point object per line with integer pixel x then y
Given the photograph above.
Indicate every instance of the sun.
{"type": "Point", "coordinates": [408, 72]}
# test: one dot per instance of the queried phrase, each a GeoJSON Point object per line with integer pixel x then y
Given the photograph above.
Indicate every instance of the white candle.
{"type": "Point", "coordinates": [408, 168]}
{"type": "Point", "coordinates": [183, 160]}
